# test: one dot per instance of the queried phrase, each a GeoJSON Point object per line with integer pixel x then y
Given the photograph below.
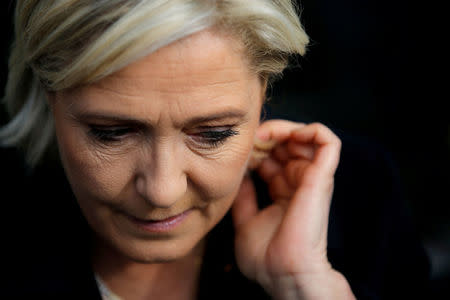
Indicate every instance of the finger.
{"type": "Point", "coordinates": [280, 153]}
{"type": "Point", "coordinates": [278, 130]}
{"type": "Point", "coordinates": [316, 133]}
{"type": "Point", "coordinates": [328, 157]}
{"type": "Point", "coordinates": [245, 205]}
{"type": "Point", "coordinates": [269, 168]}
{"type": "Point", "coordinates": [315, 179]}
{"type": "Point", "coordinates": [279, 188]}
{"type": "Point", "coordinates": [275, 133]}
{"type": "Point", "coordinates": [328, 145]}
{"type": "Point", "coordinates": [293, 150]}
{"type": "Point", "coordinates": [313, 197]}
{"type": "Point", "coordinates": [295, 170]}
{"type": "Point", "coordinates": [297, 150]}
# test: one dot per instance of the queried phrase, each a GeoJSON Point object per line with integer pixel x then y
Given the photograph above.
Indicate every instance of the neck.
{"type": "Point", "coordinates": [134, 280]}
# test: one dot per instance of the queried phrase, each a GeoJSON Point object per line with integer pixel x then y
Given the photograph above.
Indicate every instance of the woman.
{"type": "Point", "coordinates": [155, 106]}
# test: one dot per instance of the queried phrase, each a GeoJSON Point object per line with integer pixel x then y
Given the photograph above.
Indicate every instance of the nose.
{"type": "Point", "coordinates": [162, 181]}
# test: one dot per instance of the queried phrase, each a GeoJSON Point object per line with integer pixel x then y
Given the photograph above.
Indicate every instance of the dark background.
{"type": "Point", "coordinates": [373, 69]}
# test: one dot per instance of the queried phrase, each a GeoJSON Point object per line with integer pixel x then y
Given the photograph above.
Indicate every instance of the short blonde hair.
{"type": "Point", "coordinates": [62, 44]}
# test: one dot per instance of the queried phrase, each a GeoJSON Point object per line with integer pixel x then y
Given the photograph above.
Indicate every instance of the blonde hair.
{"type": "Point", "coordinates": [62, 44]}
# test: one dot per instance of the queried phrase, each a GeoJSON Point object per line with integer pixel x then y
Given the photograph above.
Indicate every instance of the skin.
{"type": "Point", "coordinates": [283, 246]}
{"type": "Point", "coordinates": [161, 111]}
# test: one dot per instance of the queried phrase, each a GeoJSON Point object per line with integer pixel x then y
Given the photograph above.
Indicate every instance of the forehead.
{"type": "Point", "coordinates": [203, 71]}
{"type": "Point", "coordinates": [204, 58]}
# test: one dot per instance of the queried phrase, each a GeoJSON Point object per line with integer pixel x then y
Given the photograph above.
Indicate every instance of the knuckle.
{"type": "Point", "coordinates": [321, 128]}
{"type": "Point", "coordinates": [325, 130]}
{"type": "Point", "coordinates": [338, 142]}
{"type": "Point", "coordinates": [318, 125]}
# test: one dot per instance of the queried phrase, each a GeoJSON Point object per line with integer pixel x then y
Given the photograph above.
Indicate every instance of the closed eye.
{"type": "Point", "coordinates": [213, 136]}
{"type": "Point", "coordinates": [109, 134]}
{"type": "Point", "coordinates": [206, 137]}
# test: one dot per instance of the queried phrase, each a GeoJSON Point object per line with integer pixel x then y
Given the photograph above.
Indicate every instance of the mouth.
{"type": "Point", "coordinates": [160, 225]}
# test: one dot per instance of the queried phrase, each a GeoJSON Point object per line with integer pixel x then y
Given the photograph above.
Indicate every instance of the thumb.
{"type": "Point", "coordinates": [245, 205]}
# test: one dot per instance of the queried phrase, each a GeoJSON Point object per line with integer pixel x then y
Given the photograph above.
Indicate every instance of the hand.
{"type": "Point", "coordinates": [283, 246]}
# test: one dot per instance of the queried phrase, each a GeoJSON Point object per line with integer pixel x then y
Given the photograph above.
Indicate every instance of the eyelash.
{"type": "Point", "coordinates": [108, 135]}
{"type": "Point", "coordinates": [210, 137]}
{"type": "Point", "coordinates": [214, 138]}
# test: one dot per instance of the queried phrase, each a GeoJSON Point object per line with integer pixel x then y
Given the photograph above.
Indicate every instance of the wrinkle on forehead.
{"type": "Point", "coordinates": [131, 87]}
{"type": "Point", "coordinates": [204, 59]}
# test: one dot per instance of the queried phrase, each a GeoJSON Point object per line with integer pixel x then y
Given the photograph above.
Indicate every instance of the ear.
{"type": "Point", "coordinates": [260, 149]}
{"type": "Point", "coordinates": [264, 82]}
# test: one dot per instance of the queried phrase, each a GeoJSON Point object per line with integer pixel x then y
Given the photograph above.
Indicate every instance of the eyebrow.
{"type": "Point", "coordinates": [112, 117]}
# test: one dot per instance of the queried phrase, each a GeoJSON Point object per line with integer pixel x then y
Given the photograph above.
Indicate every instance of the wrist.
{"type": "Point", "coordinates": [327, 285]}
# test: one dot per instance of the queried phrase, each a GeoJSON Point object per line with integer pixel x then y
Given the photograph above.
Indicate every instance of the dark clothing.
{"type": "Point", "coordinates": [372, 240]}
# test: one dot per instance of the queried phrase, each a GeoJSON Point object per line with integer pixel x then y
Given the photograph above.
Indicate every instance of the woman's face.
{"type": "Point", "coordinates": [156, 152]}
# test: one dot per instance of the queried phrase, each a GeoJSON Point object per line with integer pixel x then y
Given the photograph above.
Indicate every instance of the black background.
{"type": "Point", "coordinates": [375, 69]}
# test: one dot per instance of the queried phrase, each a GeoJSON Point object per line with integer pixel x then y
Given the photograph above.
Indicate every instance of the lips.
{"type": "Point", "coordinates": [162, 225]}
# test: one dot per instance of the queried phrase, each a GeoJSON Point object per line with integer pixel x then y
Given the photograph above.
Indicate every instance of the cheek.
{"type": "Point", "coordinates": [93, 173]}
{"type": "Point", "coordinates": [220, 176]}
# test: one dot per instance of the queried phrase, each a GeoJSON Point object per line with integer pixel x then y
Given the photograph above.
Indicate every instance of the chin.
{"type": "Point", "coordinates": [159, 251]}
